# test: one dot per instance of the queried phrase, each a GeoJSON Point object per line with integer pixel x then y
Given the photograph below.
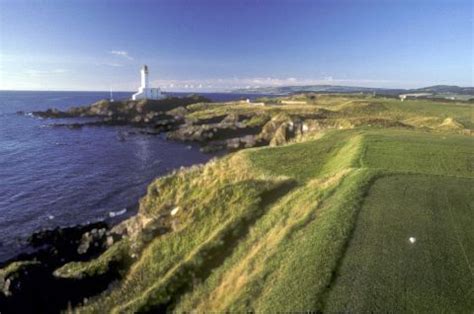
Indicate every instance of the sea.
{"type": "Point", "coordinates": [57, 177]}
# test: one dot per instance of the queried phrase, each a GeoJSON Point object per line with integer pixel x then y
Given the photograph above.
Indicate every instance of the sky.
{"type": "Point", "coordinates": [211, 45]}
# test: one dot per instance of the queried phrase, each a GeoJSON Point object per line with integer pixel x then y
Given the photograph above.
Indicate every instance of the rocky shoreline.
{"type": "Point", "coordinates": [28, 283]}
{"type": "Point", "coordinates": [158, 114]}
{"type": "Point", "coordinates": [38, 277]}
{"type": "Point", "coordinates": [33, 281]}
{"type": "Point", "coordinates": [177, 119]}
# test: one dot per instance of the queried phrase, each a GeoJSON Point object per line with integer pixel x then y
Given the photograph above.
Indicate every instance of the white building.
{"type": "Point", "coordinates": [413, 95]}
{"type": "Point", "coordinates": [145, 92]}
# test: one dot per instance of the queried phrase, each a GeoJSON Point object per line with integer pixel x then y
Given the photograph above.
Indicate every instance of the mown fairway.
{"type": "Point", "coordinates": [383, 271]}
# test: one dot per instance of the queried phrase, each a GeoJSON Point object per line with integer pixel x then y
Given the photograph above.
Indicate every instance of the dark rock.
{"type": "Point", "coordinates": [34, 288]}
{"type": "Point", "coordinates": [213, 120]}
{"type": "Point", "coordinates": [212, 148]}
{"type": "Point", "coordinates": [130, 110]}
{"type": "Point", "coordinates": [95, 238]}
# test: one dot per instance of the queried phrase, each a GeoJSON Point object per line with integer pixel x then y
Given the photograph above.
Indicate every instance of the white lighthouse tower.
{"type": "Point", "coordinates": [145, 92]}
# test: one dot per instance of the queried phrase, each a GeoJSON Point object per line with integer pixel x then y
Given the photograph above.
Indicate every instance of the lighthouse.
{"type": "Point", "coordinates": [144, 75]}
{"type": "Point", "coordinates": [145, 92]}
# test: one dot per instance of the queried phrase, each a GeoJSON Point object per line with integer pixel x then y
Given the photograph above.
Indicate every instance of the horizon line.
{"type": "Point", "coordinates": [226, 91]}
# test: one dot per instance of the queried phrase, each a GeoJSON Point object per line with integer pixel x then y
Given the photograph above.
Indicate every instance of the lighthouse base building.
{"type": "Point", "coordinates": [146, 92]}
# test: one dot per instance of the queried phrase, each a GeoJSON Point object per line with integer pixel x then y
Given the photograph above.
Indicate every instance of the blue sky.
{"type": "Point", "coordinates": [216, 45]}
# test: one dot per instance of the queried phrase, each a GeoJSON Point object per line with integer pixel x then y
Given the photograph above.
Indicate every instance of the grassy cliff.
{"type": "Point", "coordinates": [317, 225]}
{"type": "Point", "coordinates": [320, 221]}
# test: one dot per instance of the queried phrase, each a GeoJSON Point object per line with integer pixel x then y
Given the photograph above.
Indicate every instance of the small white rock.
{"type": "Point", "coordinates": [412, 240]}
{"type": "Point", "coordinates": [50, 217]}
{"type": "Point", "coordinates": [174, 211]}
{"type": "Point", "coordinates": [110, 241]}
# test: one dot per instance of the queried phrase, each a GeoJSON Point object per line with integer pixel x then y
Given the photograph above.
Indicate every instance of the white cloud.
{"type": "Point", "coordinates": [121, 53]}
{"type": "Point", "coordinates": [227, 84]}
{"type": "Point", "coordinates": [115, 65]}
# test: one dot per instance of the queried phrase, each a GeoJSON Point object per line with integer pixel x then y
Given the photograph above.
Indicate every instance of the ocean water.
{"type": "Point", "coordinates": [55, 176]}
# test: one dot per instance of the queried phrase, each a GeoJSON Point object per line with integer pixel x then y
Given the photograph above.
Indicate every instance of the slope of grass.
{"type": "Point", "coordinates": [190, 257]}
{"type": "Point", "coordinates": [213, 208]}
{"type": "Point", "coordinates": [308, 258]}
{"type": "Point", "coordinates": [307, 160]}
{"type": "Point", "coordinates": [236, 285]}
{"type": "Point", "coordinates": [252, 278]}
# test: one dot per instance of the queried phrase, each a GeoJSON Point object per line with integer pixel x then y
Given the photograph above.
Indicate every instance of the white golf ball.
{"type": "Point", "coordinates": [412, 240]}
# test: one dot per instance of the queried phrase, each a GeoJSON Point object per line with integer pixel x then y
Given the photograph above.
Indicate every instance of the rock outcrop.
{"type": "Point", "coordinates": [29, 276]}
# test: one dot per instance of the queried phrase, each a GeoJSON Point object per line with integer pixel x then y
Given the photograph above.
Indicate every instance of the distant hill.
{"type": "Point", "coordinates": [444, 91]}
{"type": "Point", "coordinates": [447, 89]}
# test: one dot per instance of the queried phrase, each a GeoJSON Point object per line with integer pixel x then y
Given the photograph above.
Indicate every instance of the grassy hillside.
{"type": "Point", "coordinates": [280, 229]}
{"type": "Point", "coordinates": [321, 223]}
{"type": "Point", "coordinates": [348, 111]}
{"type": "Point", "coordinates": [276, 121]}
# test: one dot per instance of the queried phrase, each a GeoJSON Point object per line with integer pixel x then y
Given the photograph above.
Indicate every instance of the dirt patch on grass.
{"type": "Point", "coordinates": [451, 124]}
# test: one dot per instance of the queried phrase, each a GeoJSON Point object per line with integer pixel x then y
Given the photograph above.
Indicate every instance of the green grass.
{"type": "Point", "coordinates": [347, 112]}
{"type": "Point", "coordinates": [189, 253]}
{"type": "Point", "coordinates": [420, 153]}
{"type": "Point", "coordinates": [248, 279]}
{"type": "Point", "coordinates": [307, 160]}
{"type": "Point", "coordinates": [303, 227]}
{"type": "Point", "coordinates": [460, 111]}
{"type": "Point", "coordinates": [383, 272]}
{"type": "Point", "coordinates": [211, 212]}
{"type": "Point", "coordinates": [308, 258]}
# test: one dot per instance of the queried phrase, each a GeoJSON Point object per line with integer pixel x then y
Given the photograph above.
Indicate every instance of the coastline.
{"type": "Point", "coordinates": [127, 130]}
{"type": "Point", "coordinates": [58, 177]}
{"type": "Point", "coordinates": [41, 253]}
{"type": "Point", "coordinates": [252, 183]}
